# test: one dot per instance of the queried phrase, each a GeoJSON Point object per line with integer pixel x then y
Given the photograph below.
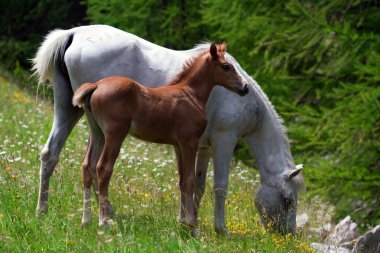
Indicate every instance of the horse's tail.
{"type": "Point", "coordinates": [51, 50]}
{"type": "Point", "coordinates": [82, 95]}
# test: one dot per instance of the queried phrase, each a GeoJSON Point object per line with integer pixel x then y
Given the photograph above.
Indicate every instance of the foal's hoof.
{"type": "Point", "coordinates": [41, 209]}
{"type": "Point", "coordinates": [190, 226]}
{"type": "Point", "coordinates": [223, 232]}
{"type": "Point", "coordinates": [106, 224]}
{"type": "Point", "coordinates": [85, 223]}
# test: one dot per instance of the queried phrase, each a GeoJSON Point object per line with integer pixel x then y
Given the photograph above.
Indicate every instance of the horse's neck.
{"type": "Point", "coordinates": [270, 144]}
{"type": "Point", "coordinates": [268, 141]}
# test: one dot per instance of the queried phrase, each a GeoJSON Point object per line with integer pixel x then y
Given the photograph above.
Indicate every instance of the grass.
{"type": "Point", "coordinates": [143, 191]}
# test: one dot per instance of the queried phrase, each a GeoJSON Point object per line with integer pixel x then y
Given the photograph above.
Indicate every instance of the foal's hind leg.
{"type": "Point", "coordinates": [96, 143]}
{"type": "Point", "coordinates": [104, 170]}
{"type": "Point", "coordinates": [65, 118]}
{"type": "Point", "coordinates": [178, 154]}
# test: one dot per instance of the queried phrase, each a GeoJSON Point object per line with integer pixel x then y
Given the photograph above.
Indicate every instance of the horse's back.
{"type": "Point", "coordinates": [100, 51]}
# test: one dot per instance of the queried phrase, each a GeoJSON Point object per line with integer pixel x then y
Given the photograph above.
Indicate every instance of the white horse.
{"type": "Point", "coordinates": [69, 58]}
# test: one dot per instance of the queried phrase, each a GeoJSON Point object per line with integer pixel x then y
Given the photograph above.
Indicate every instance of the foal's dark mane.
{"type": "Point", "coordinates": [186, 69]}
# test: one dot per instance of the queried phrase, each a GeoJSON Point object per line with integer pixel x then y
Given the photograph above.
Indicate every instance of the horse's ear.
{"type": "Point", "coordinates": [294, 172]}
{"type": "Point", "coordinates": [223, 47]}
{"type": "Point", "coordinates": [214, 51]}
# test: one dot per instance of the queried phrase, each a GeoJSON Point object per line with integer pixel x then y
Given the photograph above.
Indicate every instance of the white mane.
{"type": "Point", "coordinates": [279, 128]}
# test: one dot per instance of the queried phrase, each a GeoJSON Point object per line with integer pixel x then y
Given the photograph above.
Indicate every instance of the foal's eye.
{"type": "Point", "coordinates": [226, 67]}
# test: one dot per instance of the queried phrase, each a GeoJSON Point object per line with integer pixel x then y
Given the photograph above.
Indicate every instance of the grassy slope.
{"type": "Point", "coordinates": [143, 190]}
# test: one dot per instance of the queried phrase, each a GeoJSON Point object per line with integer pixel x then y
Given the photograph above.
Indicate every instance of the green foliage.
{"type": "Point", "coordinates": [25, 23]}
{"type": "Point", "coordinates": [172, 24]}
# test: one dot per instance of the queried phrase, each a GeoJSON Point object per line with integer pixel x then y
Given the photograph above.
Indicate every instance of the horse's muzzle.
{"type": "Point", "coordinates": [243, 91]}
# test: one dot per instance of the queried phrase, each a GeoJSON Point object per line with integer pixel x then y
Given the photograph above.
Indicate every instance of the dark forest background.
{"type": "Point", "coordinates": [318, 62]}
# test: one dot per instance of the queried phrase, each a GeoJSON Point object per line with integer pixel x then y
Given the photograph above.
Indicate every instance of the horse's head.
{"type": "Point", "coordinates": [277, 204]}
{"type": "Point", "coordinates": [224, 73]}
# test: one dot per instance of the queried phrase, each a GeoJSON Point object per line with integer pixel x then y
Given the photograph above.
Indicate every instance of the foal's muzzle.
{"type": "Point", "coordinates": [243, 91]}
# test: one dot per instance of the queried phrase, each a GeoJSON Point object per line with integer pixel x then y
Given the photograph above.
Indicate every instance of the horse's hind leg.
{"type": "Point", "coordinates": [203, 159]}
{"type": "Point", "coordinates": [223, 145]}
{"type": "Point", "coordinates": [65, 118]}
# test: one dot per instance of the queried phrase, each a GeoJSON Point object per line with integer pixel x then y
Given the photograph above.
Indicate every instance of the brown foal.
{"type": "Point", "coordinates": [173, 114]}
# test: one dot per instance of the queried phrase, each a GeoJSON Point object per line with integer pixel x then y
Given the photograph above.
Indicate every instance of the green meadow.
{"type": "Point", "coordinates": [143, 190]}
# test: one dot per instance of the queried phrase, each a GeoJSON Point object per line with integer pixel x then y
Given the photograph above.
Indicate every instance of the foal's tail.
{"type": "Point", "coordinates": [83, 93]}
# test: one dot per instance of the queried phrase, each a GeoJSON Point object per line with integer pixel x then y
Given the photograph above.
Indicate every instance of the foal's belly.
{"type": "Point", "coordinates": [156, 133]}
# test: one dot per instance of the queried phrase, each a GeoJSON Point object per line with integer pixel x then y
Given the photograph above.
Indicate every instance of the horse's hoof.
{"type": "Point", "coordinates": [111, 211]}
{"type": "Point", "coordinates": [223, 232]}
{"type": "Point", "coordinates": [104, 225]}
{"type": "Point", "coordinates": [41, 210]}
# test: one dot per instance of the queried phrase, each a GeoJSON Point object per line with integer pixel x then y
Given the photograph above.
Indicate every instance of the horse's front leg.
{"type": "Point", "coordinates": [223, 144]}
{"type": "Point", "coordinates": [187, 185]}
{"type": "Point", "coordinates": [203, 158]}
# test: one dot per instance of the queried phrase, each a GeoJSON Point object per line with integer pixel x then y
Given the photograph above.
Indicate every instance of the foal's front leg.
{"type": "Point", "coordinates": [187, 186]}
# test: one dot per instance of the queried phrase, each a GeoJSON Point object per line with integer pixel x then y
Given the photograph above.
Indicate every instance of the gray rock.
{"type": "Point", "coordinates": [325, 248]}
{"type": "Point", "coordinates": [301, 220]}
{"type": "Point", "coordinates": [369, 242]}
{"type": "Point", "coordinates": [344, 233]}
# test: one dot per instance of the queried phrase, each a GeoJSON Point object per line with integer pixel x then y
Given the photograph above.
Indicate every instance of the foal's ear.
{"type": "Point", "coordinates": [214, 51]}
{"type": "Point", "coordinates": [223, 47]}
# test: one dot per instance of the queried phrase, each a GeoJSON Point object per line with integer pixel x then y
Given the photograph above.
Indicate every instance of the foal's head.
{"type": "Point", "coordinates": [223, 73]}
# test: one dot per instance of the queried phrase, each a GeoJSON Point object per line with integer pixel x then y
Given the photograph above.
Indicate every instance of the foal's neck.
{"type": "Point", "coordinates": [198, 83]}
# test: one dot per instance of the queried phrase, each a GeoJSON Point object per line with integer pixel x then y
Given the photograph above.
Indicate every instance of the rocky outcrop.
{"type": "Point", "coordinates": [344, 237]}
{"type": "Point", "coordinates": [369, 242]}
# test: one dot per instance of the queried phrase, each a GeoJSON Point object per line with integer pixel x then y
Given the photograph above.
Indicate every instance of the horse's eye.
{"type": "Point", "coordinates": [287, 203]}
{"type": "Point", "coordinates": [226, 67]}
